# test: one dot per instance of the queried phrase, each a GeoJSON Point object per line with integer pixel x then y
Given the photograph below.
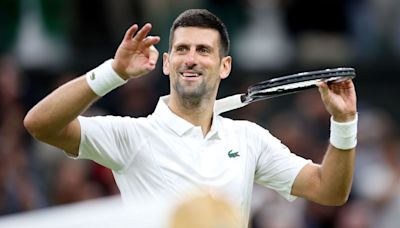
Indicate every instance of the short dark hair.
{"type": "Point", "coordinates": [202, 18]}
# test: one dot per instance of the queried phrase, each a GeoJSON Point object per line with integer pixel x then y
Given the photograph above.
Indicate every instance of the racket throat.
{"type": "Point", "coordinates": [244, 98]}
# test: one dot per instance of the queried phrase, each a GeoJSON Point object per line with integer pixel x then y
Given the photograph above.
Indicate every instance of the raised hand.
{"type": "Point", "coordinates": [339, 99]}
{"type": "Point", "coordinates": [136, 55]}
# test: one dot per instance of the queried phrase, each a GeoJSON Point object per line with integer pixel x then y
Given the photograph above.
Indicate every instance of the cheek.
{"type": "Point", "coordinates": [210, 64]}
{"type": "Point", "coordinates": [175, 64]}
{"type": "Point", "coordinates": [217, 67]}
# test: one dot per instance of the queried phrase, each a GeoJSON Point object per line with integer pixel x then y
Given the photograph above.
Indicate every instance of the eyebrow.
{"type": "Point", "coordinates": [205, 46]}
{"type": "Point", "coordinates": [197, 45]}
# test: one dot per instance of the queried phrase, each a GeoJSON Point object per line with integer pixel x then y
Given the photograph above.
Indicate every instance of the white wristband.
{"type": "Point", "coordinates": [344, 135]}
{"type": "Point", "coordinates": [103, 78]}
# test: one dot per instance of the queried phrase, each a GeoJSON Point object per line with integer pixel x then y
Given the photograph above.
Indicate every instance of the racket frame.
{"type": "Point", "coordinates": [275, 87]}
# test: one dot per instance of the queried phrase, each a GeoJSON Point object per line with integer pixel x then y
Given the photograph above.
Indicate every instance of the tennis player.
{"type": "Point", "coordinates": [183, 145]}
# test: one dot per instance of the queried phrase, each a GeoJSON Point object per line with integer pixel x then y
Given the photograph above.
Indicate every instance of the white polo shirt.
{"type": "Point", "coordinates": [163, 154]}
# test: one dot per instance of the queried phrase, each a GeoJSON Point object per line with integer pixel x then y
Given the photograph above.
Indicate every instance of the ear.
{"type": "Point", "coordinates": [166, 63]}
{"type": "Point", "coordinates": [225, 68]}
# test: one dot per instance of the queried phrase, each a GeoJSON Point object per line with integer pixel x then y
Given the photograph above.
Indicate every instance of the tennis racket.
{"type": "Point", "coordinates": [282, 86]}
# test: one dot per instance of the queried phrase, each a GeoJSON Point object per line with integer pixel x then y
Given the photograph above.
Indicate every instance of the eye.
{"type": "Point", "coordinates": [181, 48]}
{"type": "Point", "coordinates": [203, 50]}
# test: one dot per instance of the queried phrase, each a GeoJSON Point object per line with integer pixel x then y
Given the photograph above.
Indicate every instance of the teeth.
{"type": "Point", "coordinates": [190, 74]}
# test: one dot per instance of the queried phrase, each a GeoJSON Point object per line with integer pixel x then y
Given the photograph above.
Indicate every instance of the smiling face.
{"type": "Point", "coordinates": [194, 64]}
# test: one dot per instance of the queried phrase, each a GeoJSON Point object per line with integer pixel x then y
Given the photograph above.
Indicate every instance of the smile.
{"type": "Point", "coordinates": [190, 74]}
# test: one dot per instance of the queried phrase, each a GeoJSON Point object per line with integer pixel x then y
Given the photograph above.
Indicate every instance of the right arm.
{"type": "Point", "coordinates": [54, 119]}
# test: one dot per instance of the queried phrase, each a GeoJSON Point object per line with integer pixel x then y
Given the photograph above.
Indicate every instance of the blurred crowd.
{"type": "Point", "coordinates": [44, 43]}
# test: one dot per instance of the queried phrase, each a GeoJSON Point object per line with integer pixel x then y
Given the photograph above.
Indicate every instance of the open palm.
{"type": "Point", "coordinates": [136, 55]}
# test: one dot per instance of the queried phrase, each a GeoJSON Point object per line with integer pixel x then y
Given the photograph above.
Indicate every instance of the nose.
{"type": "Point", "coordinates": [191, 59]}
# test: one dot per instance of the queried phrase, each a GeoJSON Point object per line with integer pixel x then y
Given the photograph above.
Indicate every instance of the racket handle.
{"type": "Point", "coordinates": [228, 103]}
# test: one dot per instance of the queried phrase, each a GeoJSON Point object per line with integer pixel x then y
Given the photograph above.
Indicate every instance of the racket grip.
{"type": "Point", "coordinates": [228, 103]}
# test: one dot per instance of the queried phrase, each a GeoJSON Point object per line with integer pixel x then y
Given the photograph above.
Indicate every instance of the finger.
{"type": "Point", "coordinates": [341, 86]}
{"type": "Point", "coordinates": [344, 83]}
{"type": "Point", "coordinates": [347, 84]}
{"type": "Point", "coordinates": [153, 57]}
{"type": "Point", "coordinates": [323, 88]}
{"type": "Point", "coordinates": [130, 32]}
{"type": "Point", "coordinates": [322, 84]}
{"type": "Point", "coordinates": [150, 40]}
{"type": "Point", "coordinates": [142, 32]}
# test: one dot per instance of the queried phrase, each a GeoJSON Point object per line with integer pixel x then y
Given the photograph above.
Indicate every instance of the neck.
{"type": "Point", "coordinates": [196, 112]}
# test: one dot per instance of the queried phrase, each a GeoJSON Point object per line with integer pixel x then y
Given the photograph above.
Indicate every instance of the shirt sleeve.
{"type": "Point", "coordinates": [108, 140]}
{"type": "Point", "coordinates": [277, 167]}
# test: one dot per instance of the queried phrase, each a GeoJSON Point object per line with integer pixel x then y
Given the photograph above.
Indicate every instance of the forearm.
{"type": "Point", "coordinates": [337, 168]}
{"type": "Point", "coordinates": [58, 109]}
{"type": "Point", "coordinates": [336, 175]}
{"type": "Point", "coordinates": [330, 182]}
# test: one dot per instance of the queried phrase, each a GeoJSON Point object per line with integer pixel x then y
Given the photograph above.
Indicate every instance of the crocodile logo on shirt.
{"type": "Point", "coordinates": [232, 154]}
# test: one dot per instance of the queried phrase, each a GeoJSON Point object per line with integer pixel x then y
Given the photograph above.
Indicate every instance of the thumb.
{"type": "Point", "coordinates": [153, 57]}
{"type": "Point", "coordinates": [323, 89]}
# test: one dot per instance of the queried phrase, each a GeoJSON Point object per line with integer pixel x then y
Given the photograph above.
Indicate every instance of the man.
{"type": "Point", "coordinates": [183, 145]}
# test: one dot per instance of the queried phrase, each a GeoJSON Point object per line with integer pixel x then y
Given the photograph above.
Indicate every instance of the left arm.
{"type": "Point", "coordinates": [329, 183]}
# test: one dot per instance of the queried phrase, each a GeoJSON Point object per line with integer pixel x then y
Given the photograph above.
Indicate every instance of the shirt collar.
{"type": "Point", "coordinates": [178, 124]}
